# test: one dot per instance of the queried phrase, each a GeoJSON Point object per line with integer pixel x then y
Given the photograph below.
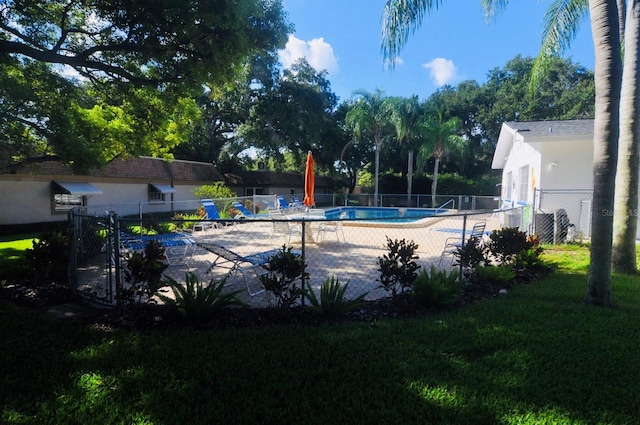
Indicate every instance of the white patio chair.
{"type": "Point", "coordinates": [452, 244]}
{"type": "Point", "coordinates": [283, 226]}
{"type": "Point", "coordinates": [333, 227]}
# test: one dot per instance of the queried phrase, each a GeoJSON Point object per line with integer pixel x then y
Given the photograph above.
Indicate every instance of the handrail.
{"type": "Point", "coordinates": [441, 207]}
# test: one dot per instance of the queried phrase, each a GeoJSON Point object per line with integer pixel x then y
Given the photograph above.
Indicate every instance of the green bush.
{"type": "Point", "coordinates": [216, 190]}
{"type": "Point", "coordinates": [437, 287]}
{"type": "Point", "coordinates": [197, 302]}
{"type": "Point", "coordinates": [398, 268]}
{"type": "Point", "coordinates": [504, 244]}
{"type": "Point", "coordinates": [284, 269]}
{"type": "Point", "coordinates": [48, 259]}
{"type": "Point", "coordinates": [501, 275]}
{"type": "Point", "coordinates": [143, 274]}
{"type": "Point", "coordinates": [332, 302]}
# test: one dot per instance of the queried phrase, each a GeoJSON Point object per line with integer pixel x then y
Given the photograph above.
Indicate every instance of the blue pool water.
{"type": "Point", "coordinates": [384, 214]}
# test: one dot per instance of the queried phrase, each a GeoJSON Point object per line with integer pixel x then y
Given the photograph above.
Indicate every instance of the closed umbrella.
{"type": "Point", "coordinates": [309, 181]}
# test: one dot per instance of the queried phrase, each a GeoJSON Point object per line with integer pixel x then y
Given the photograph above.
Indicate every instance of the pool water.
{"type": "Point", "coordinates": [383, 214]}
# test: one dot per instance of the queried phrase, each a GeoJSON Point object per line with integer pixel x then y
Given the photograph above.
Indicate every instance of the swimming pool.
{"type": "Point", "coordinates": [381, 216]}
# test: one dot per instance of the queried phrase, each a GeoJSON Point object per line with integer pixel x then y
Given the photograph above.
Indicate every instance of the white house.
{"type": "Point", "coordinates": [547, 165]}
{"type": "Point", "coordinates": [44, 192]}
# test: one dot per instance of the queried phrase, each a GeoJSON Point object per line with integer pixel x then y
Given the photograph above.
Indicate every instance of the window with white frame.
{"type": "Point", "coordinates": [508, 182]}
{"type": "Point", "coordinates": [523, 179]}
{"type": "Point", "coordinates": [63, 202]}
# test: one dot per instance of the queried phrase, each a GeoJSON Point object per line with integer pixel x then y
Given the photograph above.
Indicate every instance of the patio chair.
{"type": "Point", "coordinates": [178, 246]}
{"type": "Point", "coordinates": [236, 263]}
{"type": "Point", "coordinates": [283, 226]}
{"type": "Point", "coordinates": [211, 214]}
{"type": "Point", "coordinates": [244, 212]}
{"type": "Point", "coordinates": [452, 244]}
{"type": "Point", "coordinates": [333, 227]}
{"type": "Point", "coordinates": [282, 204]}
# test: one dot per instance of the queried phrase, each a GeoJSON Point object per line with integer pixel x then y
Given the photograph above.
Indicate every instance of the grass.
{"type": "Point", "coordinates": [11, 249]}
{"type": "Point", "coordinates": [538, 355]}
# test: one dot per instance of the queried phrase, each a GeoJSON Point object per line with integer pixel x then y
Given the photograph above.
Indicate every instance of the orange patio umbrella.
{"type": "Point", "coordinates": [309, 181]}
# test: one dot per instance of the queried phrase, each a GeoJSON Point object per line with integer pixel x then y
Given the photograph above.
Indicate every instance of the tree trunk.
{"type": "Point", "coordinates": [625, 218]}
{"type": "Point", "coordinates": [434, 184]}
{"type": "Point", "coordinates": [409, 176]}
{"type": "Point", "coordinates": [608, 76]}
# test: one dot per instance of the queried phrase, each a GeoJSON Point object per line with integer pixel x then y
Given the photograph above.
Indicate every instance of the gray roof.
{"type": "Point", "coordinates": [553, 128]}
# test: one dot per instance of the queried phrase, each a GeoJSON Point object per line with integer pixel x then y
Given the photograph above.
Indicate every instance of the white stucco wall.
{"type": "Point", "coordinates": [521, 155]}
{"type": "Point", "coordinates": [26, 199]}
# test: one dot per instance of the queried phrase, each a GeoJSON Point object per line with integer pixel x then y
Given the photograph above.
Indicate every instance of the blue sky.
{"type": "Point", "coordinates": [454, 44]}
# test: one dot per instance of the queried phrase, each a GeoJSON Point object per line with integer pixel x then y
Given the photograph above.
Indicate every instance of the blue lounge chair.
{"type": "Point", "coordinates": [245, 213]}
{"type": "Point", "coordinates": [210, 217]}
{"type": "Point", "coordinates": [282, 204]}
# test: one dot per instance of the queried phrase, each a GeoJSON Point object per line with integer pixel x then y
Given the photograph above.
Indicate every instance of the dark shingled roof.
{"type": "Point", "coordinates": [132, 168]}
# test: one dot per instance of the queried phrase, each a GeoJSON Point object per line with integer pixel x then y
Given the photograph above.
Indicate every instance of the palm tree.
{"type": "Point", "coordinates": [440, 138]}
{"type": "Point", "coordinates": [367, 118]}
{"type": "Point", "coordinates": [561, 23]}
{"type": "Point", "coordinates": [403, 17]}
{"type": "Point", "coordinates": [406, 115]}
{"type": "Point", "coordinates": [625, 218]}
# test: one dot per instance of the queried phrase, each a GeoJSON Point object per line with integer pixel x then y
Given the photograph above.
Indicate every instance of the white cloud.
{"type": "Point", "coordinates": [318, 53]}
{"type": "Point", "coordinates": [390, 63]}
{"type": "Point", "coordinates": [442, 71]}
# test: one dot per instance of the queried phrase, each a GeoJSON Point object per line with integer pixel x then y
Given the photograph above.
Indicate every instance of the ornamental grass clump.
{"type": "Point", "coordinates": [437, 287]}
{"type": "Point", "coordinates": [198, 302]}
{"type": "Point", "coordinates": [332, 302]}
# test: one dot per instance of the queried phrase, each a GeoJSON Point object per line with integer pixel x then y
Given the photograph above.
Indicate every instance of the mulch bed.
{"type": "Point", "coordinates": [146, 317]}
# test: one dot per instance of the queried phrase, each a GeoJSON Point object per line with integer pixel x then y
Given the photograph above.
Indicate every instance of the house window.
{"type": "Point", "coordinates": [250, 191]}
{"type": "Point", "coordinates": [158, 192]}
{"type": "Point", "coordinates": [507, 186]}
{"type": "Point", "coordinates": [63, 202]}
{"type": "Point", "coordinates": [523, 179]}
{"type": "Point", "coordinates": [68, 195]}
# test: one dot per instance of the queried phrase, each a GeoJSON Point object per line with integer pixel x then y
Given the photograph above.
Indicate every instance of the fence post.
{"type": "Point", "coordinates": [72, 270]}
{"type": "Point", "coordinates": [114, 225]}
{"type": "Point", "coordinates": [464, 237]}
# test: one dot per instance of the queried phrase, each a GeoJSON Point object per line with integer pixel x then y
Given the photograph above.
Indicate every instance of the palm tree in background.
{"type": "Point", "coordinates": [407, 118]}
{"type": "Point", "coordinates": [402, 17]}
{"type": "Point", "coordinates": [440, 138]}
{"type": "Point", "coordinates": [368, 118]}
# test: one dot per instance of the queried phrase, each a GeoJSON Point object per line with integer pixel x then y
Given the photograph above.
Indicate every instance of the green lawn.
{"type": "Point", "coordinates": [537, 355]}
{"type": "Point", "coordinates": [11, 249]}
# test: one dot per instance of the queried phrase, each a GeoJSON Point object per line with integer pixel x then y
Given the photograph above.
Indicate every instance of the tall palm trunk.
{"type": "Point", "coordinates": [434, 183]}
{"type": "Point", "coordinates": [625, 219]}
{"type": "Point", "coordinates": [608, 73]}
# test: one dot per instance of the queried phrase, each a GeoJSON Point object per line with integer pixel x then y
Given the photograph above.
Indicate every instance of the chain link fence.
{"type": "Point", "coordinates": [334, 244]}
{"type": "Point", "coordinates": [561, 216]}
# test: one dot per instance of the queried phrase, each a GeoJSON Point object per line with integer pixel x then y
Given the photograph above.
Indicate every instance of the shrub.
{"type": "Point", "coordinates": [48, 259]}
{"type": "Point", "coordinates": [501, 275]}
{"type": "Point", "coordinates": [398, 268]}
{"type": "Point", "coordinates": [471, 255]}
{"type": "Point", "coordinates": [437, 287]}
{"type": "Point", "coordinates": [332, 302]}
{"type": "Point", "coordinates": [284, 269]}
{"type": "Point", "coordinates": [506, 243]}
{"type": "Point", "coordinates": [216, 190]}
{"type": "Point", "coordinates": [528, 265]}
{"type": "Point", "coordinates": [143, 274]}
{"type": "Point", "coordinates": [197, 302]}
